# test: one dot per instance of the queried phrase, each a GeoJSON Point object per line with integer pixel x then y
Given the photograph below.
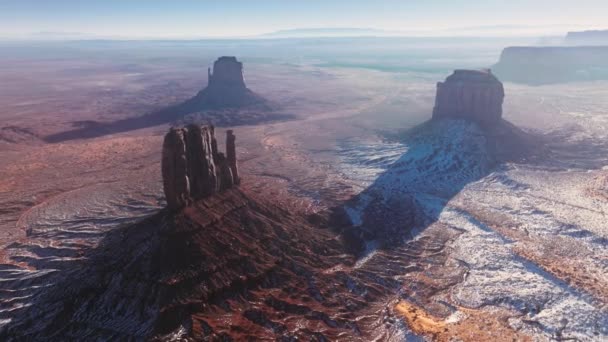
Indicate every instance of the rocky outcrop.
{"type": "Point", "coordinates": [192, 167]}
{"type": "Point", "coordinates": [226, 88]}
{"type": "Point", "coordinates": [475, 95]}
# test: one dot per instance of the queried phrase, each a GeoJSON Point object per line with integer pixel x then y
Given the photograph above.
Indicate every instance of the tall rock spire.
{"type": "Point", "coordinates": [231, 155]}
{"type": "Point", "coordinates": [192, 168]}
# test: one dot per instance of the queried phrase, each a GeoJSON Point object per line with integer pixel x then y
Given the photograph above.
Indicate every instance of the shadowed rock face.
{"type": "Point", "coordinates": [475, 95]}
{"type": "Point", "coordinates": [192, 168]}
{"type": "Point", "coordinates": [231, 155]}
{"type": "Point", "coordinates": [226, 88]}
{"type": "Point", "coordinates": [226, 101]}
{"type": "Point", "coordinates": [227, 72]}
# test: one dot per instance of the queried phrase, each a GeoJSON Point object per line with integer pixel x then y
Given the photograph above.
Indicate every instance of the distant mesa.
{"type": "Point", "coordinates": [226, 88]}
{"type": "Point", "coordinates": [226, 101]}
{"type": "Point", "coordinates": [192, 167]}
{"type": "Point", "coordinates": [592, 37]}
{"type": "Point", "coordinates": [227, 72]}
{"type": "Point", "coordinates": [476, 95]}
{"type": "Point", "coordinates": [550, 65]}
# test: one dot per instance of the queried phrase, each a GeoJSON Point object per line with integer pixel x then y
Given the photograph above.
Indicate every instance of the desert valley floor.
{"type": "Point", "coordinates": [514, 251]}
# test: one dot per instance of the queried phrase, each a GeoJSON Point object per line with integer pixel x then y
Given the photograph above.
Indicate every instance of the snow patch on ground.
{"type": "Point", "coordinates": [445, 168]}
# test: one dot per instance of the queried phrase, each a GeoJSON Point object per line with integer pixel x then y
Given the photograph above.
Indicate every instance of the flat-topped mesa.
{"type": "Point", "coordinates": [475, 95]}
{"type": "Point", "coordinates": [227, 72]}
{"type": "Point", "coordinates": [192, 168]}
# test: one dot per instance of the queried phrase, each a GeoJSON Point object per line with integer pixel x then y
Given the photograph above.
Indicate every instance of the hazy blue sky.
{"type": "Point", "coordinates": [197, 18]}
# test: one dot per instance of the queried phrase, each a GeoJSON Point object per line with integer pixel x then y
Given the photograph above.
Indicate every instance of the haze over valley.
{"type": "Point", "coordinates": [335, 183]}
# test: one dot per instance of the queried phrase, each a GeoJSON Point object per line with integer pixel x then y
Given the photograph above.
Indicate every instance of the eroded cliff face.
{"type": "Point", "coordinates": [192, 167]}
{"type": "Point", "coordinates": [475, 95]}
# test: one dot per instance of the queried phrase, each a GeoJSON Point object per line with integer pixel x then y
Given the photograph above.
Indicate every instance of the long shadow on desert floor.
{"type": "Point", "coordinates": [174, 114]}
{"type": "Point", "coordinates": [115, 290]}
{"type": "Point", "coordinates": [442, 157]}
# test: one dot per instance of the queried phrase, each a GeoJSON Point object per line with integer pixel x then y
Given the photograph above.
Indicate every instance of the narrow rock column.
{"type": "Point", "coordinates": [201, 164]}
{"type": "Point", "coordinates": [176, 182]}
{"type": "Point", "coordinates": [225, 173]}
{"type": "Point", "coordinates": [231, 155]}
{"type": "Point", "coordinates": [192, 167]}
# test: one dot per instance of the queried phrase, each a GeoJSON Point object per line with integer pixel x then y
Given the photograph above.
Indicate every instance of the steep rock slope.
{"type": "Point", "coordinates": [222, 264]}
{"type": "Point", "coordinates": [229, 267]}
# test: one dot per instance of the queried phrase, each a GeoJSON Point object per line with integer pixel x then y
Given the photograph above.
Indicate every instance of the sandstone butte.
{"type": "Point", "coordinates": [226, 87]}
{"type": "Point", "coordinates": [192, 167]}
{"type": "Point", "coordinates": [475, 95]}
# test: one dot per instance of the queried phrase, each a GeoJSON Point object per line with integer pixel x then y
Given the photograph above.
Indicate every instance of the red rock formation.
{"type": "Point", "coordinates": [227, 72]}
{"type": "Point", "coordinates": [176, 182]}
{"type": "Point", "coordinates": [231, 155]}
{"type": "Point", "coordinates": [226, 88]}
{"type": "Point", "coordinates": [192, 168]}
{"type": "Point", "coordinates": [202, 153]}
{"type": "Point", "coordinates": [470, 94]}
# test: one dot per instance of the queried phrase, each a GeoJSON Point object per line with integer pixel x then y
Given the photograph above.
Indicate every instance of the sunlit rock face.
{"type": "Point", "coordinates": [192, 168]}
{"type": "Point", "coordinates": [475, 95]}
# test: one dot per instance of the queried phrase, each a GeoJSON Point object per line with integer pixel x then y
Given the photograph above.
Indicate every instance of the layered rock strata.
{"type": "Point", "coordinates": [192, 167]}
{"type": "Point", "coordinates": [475, 95]}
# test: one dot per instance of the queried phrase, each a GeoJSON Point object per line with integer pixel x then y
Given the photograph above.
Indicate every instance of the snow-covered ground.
{"type": "Point", "coordinates": [534, 237]}
{"type": "Point", "coordinates": [60, 229]}
{"type": "Point", "coordinates": [553, 225]}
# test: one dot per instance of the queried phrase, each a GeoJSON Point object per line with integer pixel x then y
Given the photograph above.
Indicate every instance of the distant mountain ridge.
{"type": "Point", "coordinates": [475, 31]}
{"type": "Point", "coordinates": [325, 32]}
